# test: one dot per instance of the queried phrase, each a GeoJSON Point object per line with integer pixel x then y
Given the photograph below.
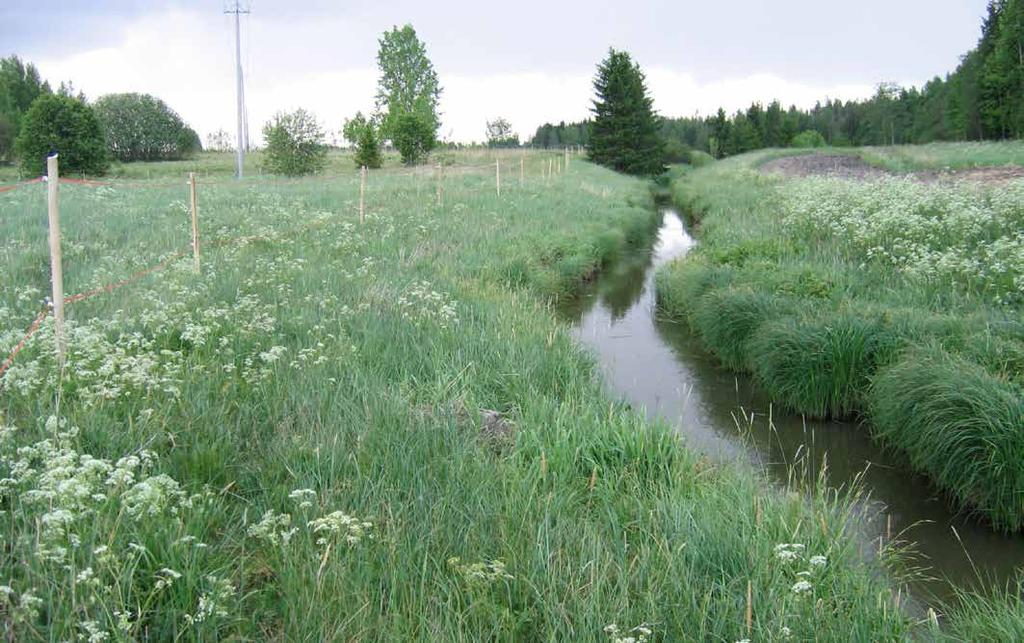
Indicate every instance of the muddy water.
{"type": "Point", "coordinates": [657, 365]}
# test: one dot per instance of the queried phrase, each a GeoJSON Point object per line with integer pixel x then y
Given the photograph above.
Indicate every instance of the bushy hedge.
{"type": "Point", "coordinates": [140, 127]}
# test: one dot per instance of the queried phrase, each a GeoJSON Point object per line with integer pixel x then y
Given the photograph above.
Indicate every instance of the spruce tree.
{"type": "Point", "coordinates": [368, 148]}
{"type": "Point", "coordinates": [624, 135]}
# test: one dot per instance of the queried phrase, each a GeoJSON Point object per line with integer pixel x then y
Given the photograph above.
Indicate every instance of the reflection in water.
{"type": "Point", "coordinates": [656, 365]}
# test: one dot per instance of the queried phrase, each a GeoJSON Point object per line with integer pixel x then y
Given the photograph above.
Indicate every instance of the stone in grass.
{"type": "Point", "coordinates": [495, 429]}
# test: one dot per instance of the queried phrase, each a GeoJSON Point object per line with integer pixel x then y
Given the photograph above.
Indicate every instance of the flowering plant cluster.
{"type": "Point", "coordinates": [81, 524]}
{"type": "Point", "coordinates": [942, 233]}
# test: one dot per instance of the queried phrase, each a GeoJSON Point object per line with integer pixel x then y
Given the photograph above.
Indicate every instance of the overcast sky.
{"type": "Point", "coordinates": [529, 61]}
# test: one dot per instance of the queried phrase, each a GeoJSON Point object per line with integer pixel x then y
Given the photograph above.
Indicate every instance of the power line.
{"type": "Point", "coordinates": [239, 87]}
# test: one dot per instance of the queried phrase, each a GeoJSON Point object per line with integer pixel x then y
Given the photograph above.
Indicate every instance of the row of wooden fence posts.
{"type": "Point", "coordinates": [53, 211]}
{"type": "Point", "coordinates": [554, 167]}
{"type": "Point", "coordinates": [56, 259]}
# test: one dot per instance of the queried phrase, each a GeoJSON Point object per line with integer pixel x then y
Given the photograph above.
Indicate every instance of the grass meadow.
{"type": "Point", "coordinates": [891, 300]}
{"type": "Point", "coordinates": [221, 165]}
{"type": "Point", "coordinates": [375, 431]}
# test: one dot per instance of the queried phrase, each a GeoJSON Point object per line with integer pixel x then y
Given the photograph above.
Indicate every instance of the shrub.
{"type": "Point", "coordinates": [368, 148]}
{"type": "Point", "coordinates": [140, 127]}
{"type": "Point", "coordinates": [676, 151]}
{"type": "Point", "coordinates": [699, 158]}
{"type": "Point", "coordinates": [821, 366]}
{"type": "Point", "coordinates": [295, 144]}
{"type": "Point", "coordinates": [958, 424]}
{"type": "Point", "coordinates": [808, 139]}
{"type": "Point", "coordinates": [413, 136]}
{"type": "Point", "coordinates": [66, 125]}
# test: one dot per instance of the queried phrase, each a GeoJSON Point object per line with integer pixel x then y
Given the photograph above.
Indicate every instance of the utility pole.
{"type": "Point", "coordinates": [239, 89]}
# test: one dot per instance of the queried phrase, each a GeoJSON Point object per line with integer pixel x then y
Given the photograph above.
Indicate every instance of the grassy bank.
{"type": "Point", "coordinates": [892, 300]}
{"type": "Point", "coordinates": [376, 431]}
{"type": "Point", "coordinates": [940, 156]}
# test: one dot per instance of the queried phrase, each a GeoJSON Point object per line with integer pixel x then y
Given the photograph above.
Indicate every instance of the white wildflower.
{"type": "Point", "coordinates": [153, 497]}
{"type": "Point", "coordinates": [273, 528]}
{"type": "Point", "coordinates": [788, 552]}
{"type": "Point", "coordinates": [304, 497]}
{"type": "Point", "coordinates": [338, 523]}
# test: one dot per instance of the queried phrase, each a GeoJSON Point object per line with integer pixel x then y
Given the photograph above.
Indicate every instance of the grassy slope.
{"type": "Point", "coordinates": [827, 332]}
{"type": "Point", "coordinates": [372, 406]}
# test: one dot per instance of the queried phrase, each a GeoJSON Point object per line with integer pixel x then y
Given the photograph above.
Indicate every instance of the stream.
{"type": "Point", "coordinates": [658, 366]}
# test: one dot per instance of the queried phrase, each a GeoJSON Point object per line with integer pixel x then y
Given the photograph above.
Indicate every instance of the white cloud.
{"type": "Point", "coordinates": [189, 62]}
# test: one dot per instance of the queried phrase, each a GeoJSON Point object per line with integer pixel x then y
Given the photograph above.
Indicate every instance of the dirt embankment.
{"type": "Point", "coordinates": [854, 168]}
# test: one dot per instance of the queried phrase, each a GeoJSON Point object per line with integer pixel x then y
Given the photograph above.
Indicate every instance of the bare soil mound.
{"type": "Point", "coordinates": [843, 166]}
{"type": "Point", "coordinates": [853, 167]}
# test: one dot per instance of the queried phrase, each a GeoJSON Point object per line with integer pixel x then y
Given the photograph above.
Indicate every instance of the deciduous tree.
{"type": "Point", "coordinates": [20, 85]}
{"type": "Point", "coordinates": [499, 134]}
{"type": "Point", "coordinates": [408, 86]}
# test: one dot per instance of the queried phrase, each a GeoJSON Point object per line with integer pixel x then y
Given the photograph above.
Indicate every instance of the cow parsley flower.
{"type": "Point", "coordinates": [340, 524]}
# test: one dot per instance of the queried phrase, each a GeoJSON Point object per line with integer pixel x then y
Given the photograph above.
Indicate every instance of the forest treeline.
{"type": "Point", "coordinates": [982, 99]}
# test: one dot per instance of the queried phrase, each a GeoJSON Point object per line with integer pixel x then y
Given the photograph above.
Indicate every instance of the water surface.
{"type": "Point", "coordinates": [656, 365]}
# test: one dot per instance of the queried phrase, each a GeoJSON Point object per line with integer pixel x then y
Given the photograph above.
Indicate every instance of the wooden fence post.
{"type": "Point", "coordinates": [56, 270]}
{"type": "Point", "coordinates": [750, 608]}
{"type": "Point", "coordinates": [567, 157]}
{"type": "Point", "coordinates": [440, 184]}
{"type": "Point", "coordinates": [195, 219]}
{"type": "Point", "coordinates": [362, 193]}
{"type": "Point", "coordinates": [522, 171]}
{"type": "Point", "coordinates": [497, 176]}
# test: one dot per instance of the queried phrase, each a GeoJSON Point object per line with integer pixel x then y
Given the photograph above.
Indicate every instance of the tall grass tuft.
{"type": "Point", "coordinates": [986, 617]}
{"type": "Point", "coordinates": [727, 320]}
{"type": "Point", "coordinates": [820, 366]}
{"type": "Point", "coordinates": [960, 425]}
